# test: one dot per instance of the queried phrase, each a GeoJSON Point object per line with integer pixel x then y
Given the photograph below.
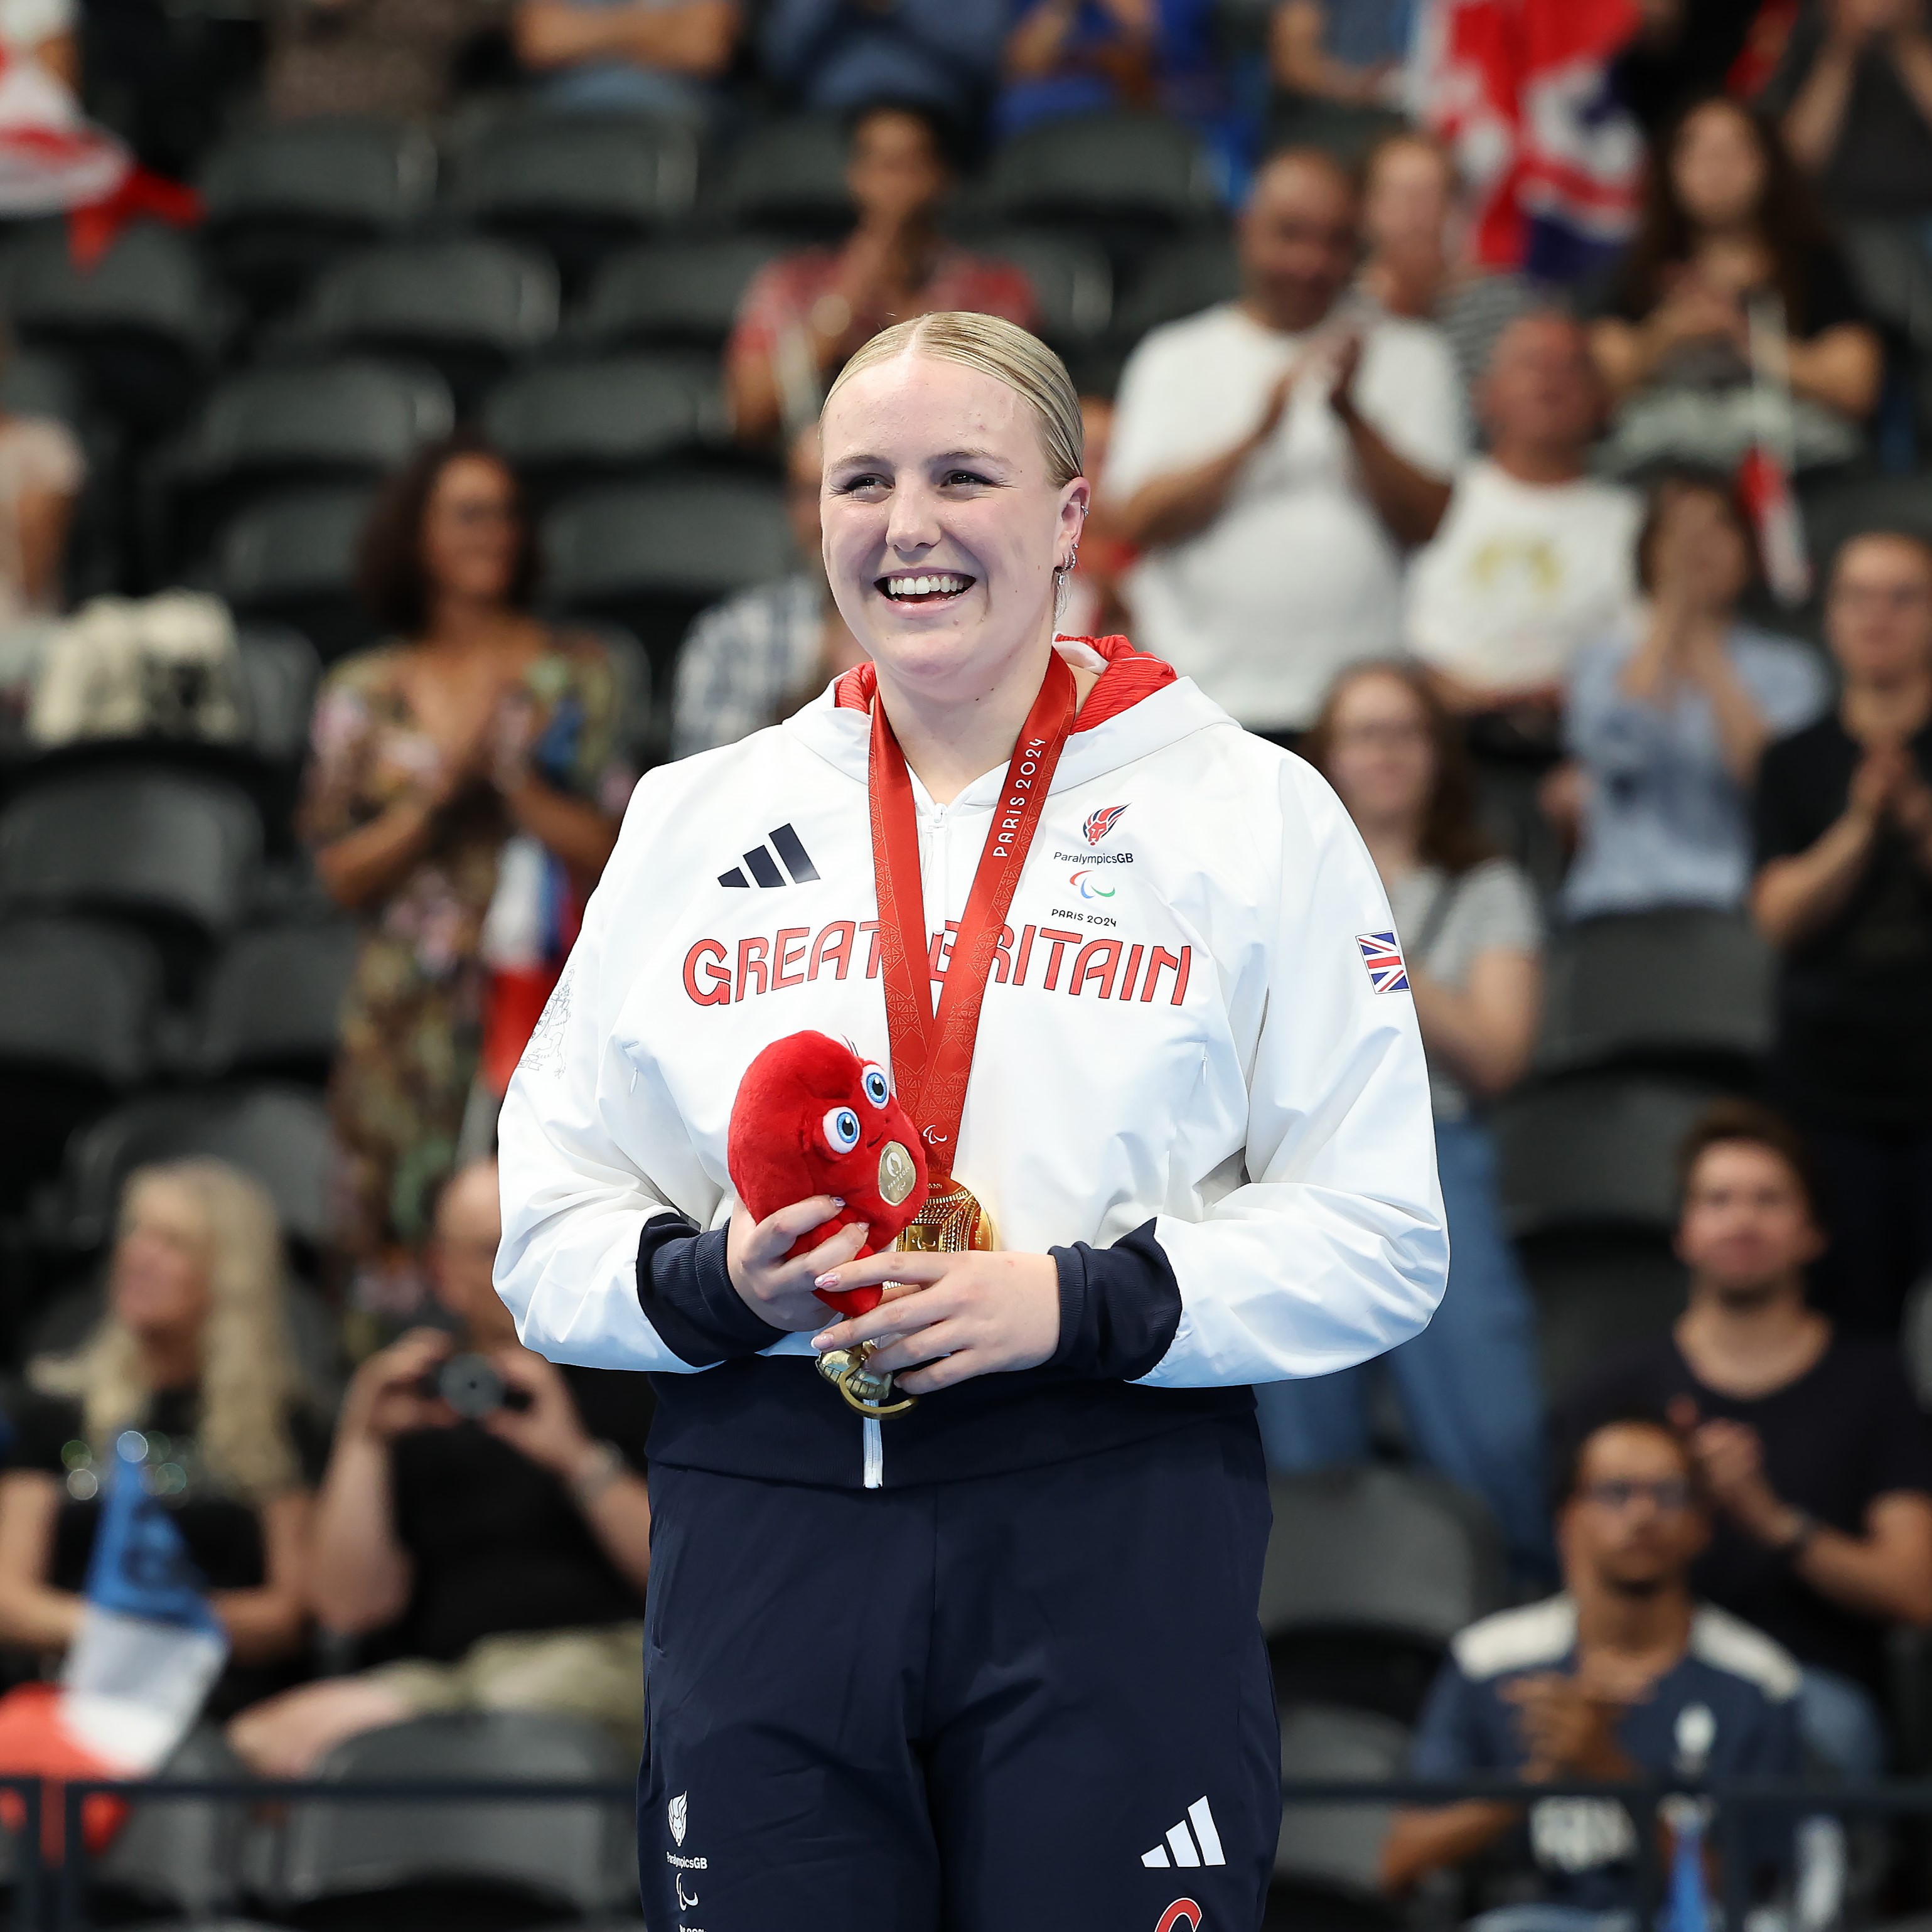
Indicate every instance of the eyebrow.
{"type": "Point", "coordinates": [865, 459]}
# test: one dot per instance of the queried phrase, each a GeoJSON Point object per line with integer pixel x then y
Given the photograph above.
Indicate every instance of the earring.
{"type": "Point", "coordinates": [1066, 569]}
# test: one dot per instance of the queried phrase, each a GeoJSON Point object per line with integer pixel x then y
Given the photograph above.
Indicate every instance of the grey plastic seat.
{"type": "Point", "coordinates": [573, 425]}
{"type": "Point", "coordinates": [1596, 1297]}
{"type": "Point", "coordinates": [576, 184]}
{"type": "Point", "coordinates": [182, 1857]}
{"type": "Point", "coordinates": [285, 198]}
{"type": "Point", "coordinates": [274, 1001]}
{"type": "Point", "coordinates": [652, 556]}
{"type": "Point", "coordinates": [281, 671]}
{"type": "Point", "coordinates": [144, 321]}
{"type": "Point", "coordinates": [132, 841]}
{"type": "Point", "coordinates": [1594, 1153]}
{"type": "Point", "coordinates": [1835, 508]}
{"type": "Point", "coordinates": [1142, 168]}
{"type": "Point", "coordinates": [1072, 282]}
{"type": "Point", "coordinates": [681, 294]}
{"type": "Point", "coordinates": [1181, 280]}
{"type": "Point", "coordinates": [472, 307]}
{"type": "Point", "coordinates": [576, 1857]}
{"type": "Point", "coordinates": [789, 175]}
{"type": "Point", "coordinates": [40, 382]}
{"type": "Point", "coordinates": [1371, 1548]}
{"type": "Point", "coordinates": [278, 427]}
{"type": "Point", "coordinates": [1682, 989]}
{"type": "Point", "coordinates": [291, 561]}
{"type": "Point", "coordinates": [1336, 1848]}
{"type": "Point", "coordinates": [279, 1134]}
{"type": "Point", "coordinates": [80, 1005]}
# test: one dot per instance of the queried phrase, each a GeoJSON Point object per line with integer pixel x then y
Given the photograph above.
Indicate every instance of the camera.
{"type": "Point", "coordinates": [471, 1386]}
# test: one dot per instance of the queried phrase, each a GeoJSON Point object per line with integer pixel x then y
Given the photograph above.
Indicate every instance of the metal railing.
{"type": "Point", "coordinates": [51, 1894]}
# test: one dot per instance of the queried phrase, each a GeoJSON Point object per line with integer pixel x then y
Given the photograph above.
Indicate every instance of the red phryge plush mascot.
{"type": "Point", "coordinates": [811, 1117]}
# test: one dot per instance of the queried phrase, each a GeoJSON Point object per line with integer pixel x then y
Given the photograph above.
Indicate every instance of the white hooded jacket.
{"type": "Point", "coordinates": [1198, 1082]}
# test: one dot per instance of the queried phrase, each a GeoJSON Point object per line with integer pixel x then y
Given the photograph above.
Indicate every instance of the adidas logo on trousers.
{"type": "Point", "coordinates": [1200, 1846]}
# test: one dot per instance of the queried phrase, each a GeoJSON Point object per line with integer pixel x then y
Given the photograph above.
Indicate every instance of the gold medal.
{"type": "Point", "coordinates": [951, 1222]}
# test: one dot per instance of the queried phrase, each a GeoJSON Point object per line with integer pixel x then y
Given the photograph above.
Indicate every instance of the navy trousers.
{"type": "Point", "coordinates": [1031, 1702]}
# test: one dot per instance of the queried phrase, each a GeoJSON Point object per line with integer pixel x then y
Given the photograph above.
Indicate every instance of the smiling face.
{"type": "Point", "coordinates": [944, 524]}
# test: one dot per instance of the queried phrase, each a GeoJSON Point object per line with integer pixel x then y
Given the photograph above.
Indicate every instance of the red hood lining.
{"type": "Point", "coordinates": [1130, 675]}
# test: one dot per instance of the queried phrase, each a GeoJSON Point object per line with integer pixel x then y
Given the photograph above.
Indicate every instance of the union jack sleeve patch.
{"type": "Point", "coordinates": [1382, 956]}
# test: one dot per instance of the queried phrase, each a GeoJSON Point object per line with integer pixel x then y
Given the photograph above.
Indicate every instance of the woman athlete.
{"type": "Point", "coordinates": [992, 1662]}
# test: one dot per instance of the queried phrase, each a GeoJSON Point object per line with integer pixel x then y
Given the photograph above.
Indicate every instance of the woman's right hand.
{"type": "Point", "coordinates": [776, 1290]}
{"type": "Point", "coordinates": [384, 1397]}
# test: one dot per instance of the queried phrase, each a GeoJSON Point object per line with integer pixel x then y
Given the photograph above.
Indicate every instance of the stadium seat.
{"type": "Point", "coordinates": [471, 307]}
{"type": "Point", "coordinates": [1072, 282]}
{"type": "Point", "coordinates": [673, 294]}
{"type": "Point", "coordinates": [79, 1004]}
{"type": "Point", "coordinates": [144, 322]}
{"type": "Point", "coordinates": [1594, 1153]}
{"type": "Point", "coordinates": [1684, 990]}
{"type": "Point", "coordinates": [293, 561]}
{"type": "Point", "coordinates": [651, 557]}
{"type": "Point", "coordinates": [286, 198]}
{"type": "Point", "coordinates": [1405, 1560]}
{"type": "Point", "coordinates": [576, 424]}
{"type": "Point", "coordinates": [41, 382]}
{"type": "Point", "coordinates": [281, 671]}
{"type": "Point", "coordinates": [1181, 280]}
{"type": "Point", "coordinates": [273, 429]}
{"type": "Point", "coordinates": [1836, 507]}
{"type": "Point", "coordinates": [1327, 1858]}
{"type": "Point", "coordinates": [273, 1002]}
{"type": "Point", "coordinates": [385, 1867]}
{"type": "Point", "coordinates": [1596, 1296]}
{"type": "Point", "coordinates": [576, 185]}
{"type": "Point", "coordinates": [142, 843]}
{"type": "Point", "coordinates": [789, 175]}
{"type": "Point", "coordinates": [180, 1857]}
{"type": "Point", "coordinates": [279, 1134]}
{"type": "Point", "coordinates": [1124, 179]}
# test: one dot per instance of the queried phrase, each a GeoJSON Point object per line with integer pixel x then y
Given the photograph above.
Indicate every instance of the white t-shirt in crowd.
{"type": "Point", "coordinates": [1297, 576]}
{"type": "Point", "coordinates": [26, 23]}
{"type": "Point", "coordinates": [1520, 576]}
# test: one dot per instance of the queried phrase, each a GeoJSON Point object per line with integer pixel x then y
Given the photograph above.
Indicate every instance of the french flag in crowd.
{"type": "Point", "coordinates": [1521, 91]}
{"type": "Point", "coordinates": [149, 1651]}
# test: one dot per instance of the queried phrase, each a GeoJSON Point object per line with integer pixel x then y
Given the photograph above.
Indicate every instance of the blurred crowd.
{"type": "Point", "coordinates": [1595, 601]}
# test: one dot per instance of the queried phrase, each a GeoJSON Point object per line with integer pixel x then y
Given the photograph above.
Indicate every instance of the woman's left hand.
{"type": "Point", "coordinates": [954, 1316]}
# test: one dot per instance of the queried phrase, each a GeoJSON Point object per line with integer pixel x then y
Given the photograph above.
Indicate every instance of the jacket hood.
{"type": "Point", "coordinates": [1139, 706]}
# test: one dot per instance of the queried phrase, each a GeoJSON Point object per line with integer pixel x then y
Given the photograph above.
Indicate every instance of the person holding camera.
{"type": "Point", "coordinates": [484, 1511]}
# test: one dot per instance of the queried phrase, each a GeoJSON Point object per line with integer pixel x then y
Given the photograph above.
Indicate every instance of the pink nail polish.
{"type": "Point", "coordinates": [827, 1281]}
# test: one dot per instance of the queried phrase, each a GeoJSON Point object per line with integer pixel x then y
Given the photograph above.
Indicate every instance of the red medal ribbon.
{"type": "Point", "coordinates": [932, 1055]}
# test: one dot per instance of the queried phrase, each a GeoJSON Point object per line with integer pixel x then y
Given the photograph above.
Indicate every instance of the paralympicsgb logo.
{"type": "Point", "coordinates": [1101, 822]}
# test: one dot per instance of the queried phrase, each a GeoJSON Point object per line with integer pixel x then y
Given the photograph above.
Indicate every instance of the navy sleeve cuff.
{"type": "Point", "coordinates": [685, 1289]}
{"type": "Point", "coordinates": [1119, 1307]}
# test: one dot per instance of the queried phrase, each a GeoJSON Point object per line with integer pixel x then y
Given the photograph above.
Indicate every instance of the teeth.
{"type": "Point", "coordinates": [924, 586]}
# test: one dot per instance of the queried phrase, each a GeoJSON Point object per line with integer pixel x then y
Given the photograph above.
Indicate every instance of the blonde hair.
{"type": "Point", "coordinates": [249, 1378]}
{"type": "Point", "coordinates": [999, 349]}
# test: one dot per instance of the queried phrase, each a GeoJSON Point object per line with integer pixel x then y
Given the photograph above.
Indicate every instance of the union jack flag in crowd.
{"type": "Point", "coordinates": [1383, 957]}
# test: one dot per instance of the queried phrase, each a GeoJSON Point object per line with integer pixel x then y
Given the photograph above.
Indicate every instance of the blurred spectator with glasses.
{"type": "Point", "coordinates": [755, 658]}
{"type": "Point", "coordinates": [1728, 233]}
{"type": "Point", "coordinates": [462, 796]}
{"type": "Point", "coordinates": [1807, 1440]}
{"type": "Point", "coordinates": [630, 56]}
{"type": "Point", "coordinates": [803, 315]}
{"type": "Point", "coordinates": [1844, 890]}
{"type": "Point", "coordinates": [1624, 1675]}
{"type": "Point", "coordinates": [1668, 711]}
{"type": "Point", "coordinates": [194, 1352]}
{"type": "Point", "coordinates": [1466, 923]}
{"type": "Point", "coordinates": [486, 1510]}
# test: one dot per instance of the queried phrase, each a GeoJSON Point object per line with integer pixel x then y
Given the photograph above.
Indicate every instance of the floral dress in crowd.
{"type": "Point", "coordinates": [412, 1026]}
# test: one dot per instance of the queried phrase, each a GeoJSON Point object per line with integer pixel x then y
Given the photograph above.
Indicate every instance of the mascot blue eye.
{"type": "Point", "coordinates": [877, 1090]}
{"type": "Point", "coordinates": [841, 1130]}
